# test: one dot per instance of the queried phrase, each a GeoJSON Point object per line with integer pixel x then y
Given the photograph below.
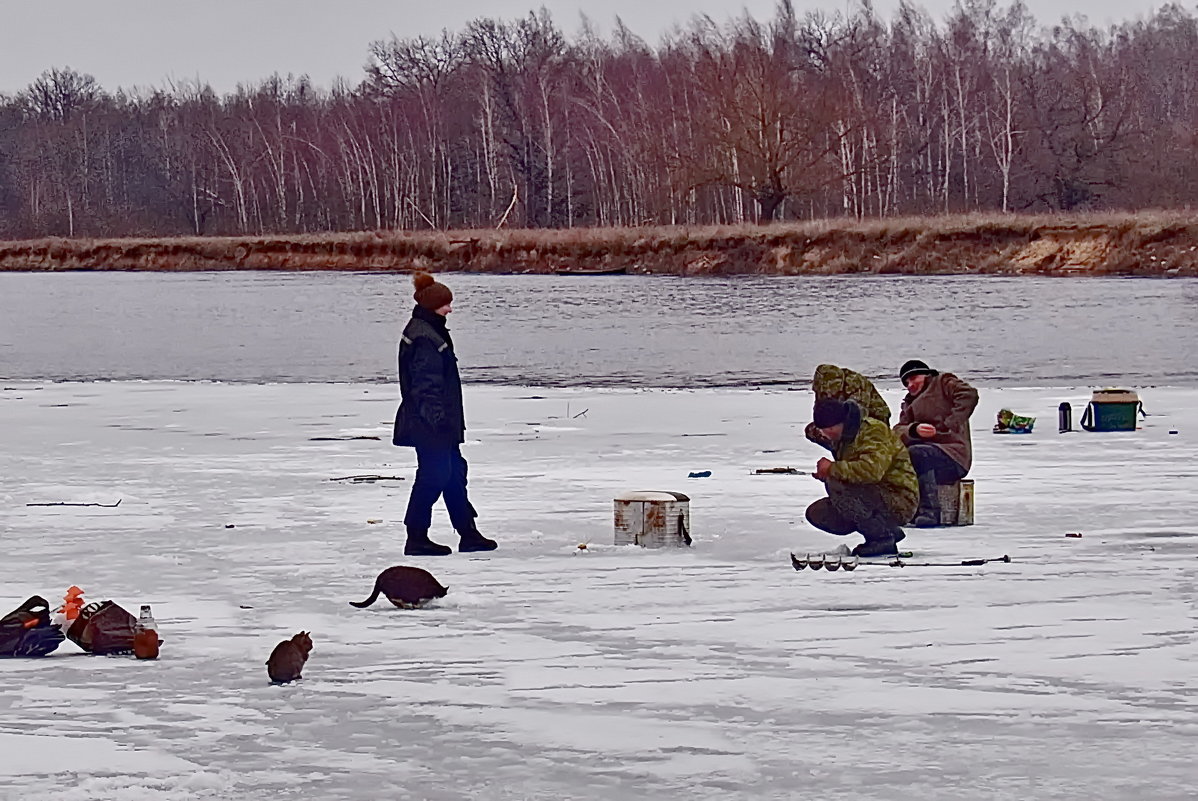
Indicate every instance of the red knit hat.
{"type": "Point", "coordinates": [430, 294]}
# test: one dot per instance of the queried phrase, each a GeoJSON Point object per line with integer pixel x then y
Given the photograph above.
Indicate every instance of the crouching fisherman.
{"type": "Point", "coordinates": [871, 485]}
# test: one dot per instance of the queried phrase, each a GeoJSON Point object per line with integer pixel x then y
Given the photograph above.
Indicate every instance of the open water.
{"type": "Point", "coordinates": [621, 331]}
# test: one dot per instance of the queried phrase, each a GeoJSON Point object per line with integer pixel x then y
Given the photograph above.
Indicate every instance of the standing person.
{"type": "Point", "coordinates": [934, 425]}
{"type": "Point", "coordinates": [871, 484]}
{"type": "Point", "coordinates": [431, 420]}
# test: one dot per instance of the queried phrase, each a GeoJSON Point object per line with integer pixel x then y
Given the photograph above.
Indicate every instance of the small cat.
{"type": "Point", "coordinates": [406, 587]}
{"type": "Point", "coordinates": [288, 658]}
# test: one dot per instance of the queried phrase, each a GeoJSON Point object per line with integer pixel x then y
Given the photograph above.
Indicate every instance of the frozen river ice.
{"type": "Point", "coordinates": [552, 673]}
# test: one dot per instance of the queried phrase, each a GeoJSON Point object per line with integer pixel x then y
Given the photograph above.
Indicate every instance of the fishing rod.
{"type": "Point", "coordinates": [835, 562]}
{"type": "Point", "coordinates": [962, 563]}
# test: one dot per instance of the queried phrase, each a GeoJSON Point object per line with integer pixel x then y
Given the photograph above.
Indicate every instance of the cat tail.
{"type": "Point", "coordinates": [373, 597]}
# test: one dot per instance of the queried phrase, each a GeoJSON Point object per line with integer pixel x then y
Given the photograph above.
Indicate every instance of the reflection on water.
{"type": "Point", "coordinates": [599, 331]}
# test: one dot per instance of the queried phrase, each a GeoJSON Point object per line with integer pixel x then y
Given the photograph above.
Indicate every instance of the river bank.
{"type": "Point", "coordinates": [1141, 244]}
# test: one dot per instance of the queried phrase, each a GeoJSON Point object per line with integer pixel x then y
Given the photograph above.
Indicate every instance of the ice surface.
{"type": "Point", "coordinates": [554, 673]}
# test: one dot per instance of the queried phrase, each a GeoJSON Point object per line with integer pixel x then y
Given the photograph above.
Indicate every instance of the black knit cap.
{"type": "Point", "coordinates": [829, 412]}
{"type": "Point", "coordinates": [914, 367]}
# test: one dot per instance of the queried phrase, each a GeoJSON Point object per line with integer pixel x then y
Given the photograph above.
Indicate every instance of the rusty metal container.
{"type": "Point", "coordinates": [653, 519]}
{"type": "Point", "coordinates": [956, 503]}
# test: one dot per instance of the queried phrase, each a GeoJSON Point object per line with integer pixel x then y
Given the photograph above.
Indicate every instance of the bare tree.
{"type": "Point", "coordinates": [772, 124]}
{"type": "Point", "coordinates": [512, 121]}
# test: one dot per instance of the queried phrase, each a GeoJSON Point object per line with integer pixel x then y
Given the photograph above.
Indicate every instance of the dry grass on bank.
{"type": "Point", "coordinates": [1144, 243]}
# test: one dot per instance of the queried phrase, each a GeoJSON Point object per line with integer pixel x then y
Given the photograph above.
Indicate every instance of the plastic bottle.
{"type": "Point", "coordinates": [145, 635]}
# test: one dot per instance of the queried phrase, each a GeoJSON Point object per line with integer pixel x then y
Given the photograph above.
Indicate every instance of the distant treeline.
{"type": "Point", "coordinates": [515, 124]}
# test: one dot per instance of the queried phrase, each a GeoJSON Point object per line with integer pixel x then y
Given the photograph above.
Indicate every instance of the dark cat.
{"type": "Point", "coordinates": [288, 658]}
{"type": "Point", "coordinates": [406, 587]}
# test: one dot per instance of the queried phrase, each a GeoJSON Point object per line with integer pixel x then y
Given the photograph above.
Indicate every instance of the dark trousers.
{"type": "Point", "coordinates": [440, 472]}
{"type": "Point", "coordinates": [853, 507]}
{"type": "Point", "coordinates": [933, 467]}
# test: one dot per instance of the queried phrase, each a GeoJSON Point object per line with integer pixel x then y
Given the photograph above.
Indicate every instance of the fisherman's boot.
{"type": "Point", "coordinates": [896, 531]}
{"type": "Point", "coordinates": [471, 540]}
{"type": "Point", "coordinates": [880, 537]}
{"type": "Point", "coordinates": [928, 515]}
{"type": "Point", "coordinates": [419, 544]}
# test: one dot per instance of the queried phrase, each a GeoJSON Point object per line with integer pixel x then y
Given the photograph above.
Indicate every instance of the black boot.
{"type": "Point", "coordinates": [928, 515]}
{"type": "Point", "coordinates": [926, 518]}
{"type": "Point", "coordinates": [471, 540]}
{"type": "Point", "coordinates": [876, 548]}
{"type": "Point", "coordinates": [880, 537]}
{"type": "Point", "coordinates": [419, 544]}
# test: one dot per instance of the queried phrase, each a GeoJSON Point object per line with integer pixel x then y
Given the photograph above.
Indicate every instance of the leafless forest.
{"type": "Point", "coordinates": [516, 124]}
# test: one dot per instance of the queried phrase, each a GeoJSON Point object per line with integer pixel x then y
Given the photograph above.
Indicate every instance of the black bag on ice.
{"type": "Point", "coordinates": [27, 631]}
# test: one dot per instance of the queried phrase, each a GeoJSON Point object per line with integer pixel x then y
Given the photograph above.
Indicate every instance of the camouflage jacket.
{"type": "Point", "coordinates": [844, 384]}
{"type": "Point", "coordinates": [869, 452]}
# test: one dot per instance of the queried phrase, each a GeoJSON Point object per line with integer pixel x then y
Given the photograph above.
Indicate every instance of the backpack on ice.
{"type": "Point", "coordinates": [27, 631]}
{"type": "Point", "coordinates": [103, 627]}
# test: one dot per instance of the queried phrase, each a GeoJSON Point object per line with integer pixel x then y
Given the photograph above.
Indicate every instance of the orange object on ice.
{"type": "Point", "coordinates": [72, 602]}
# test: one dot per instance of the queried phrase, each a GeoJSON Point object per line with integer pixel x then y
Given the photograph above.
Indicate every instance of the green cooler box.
{"type": "Point", "coordinates": [1112, 410]}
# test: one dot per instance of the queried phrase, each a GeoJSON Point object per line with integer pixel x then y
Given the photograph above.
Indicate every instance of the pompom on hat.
{"type": "Point", "coordinates": [429, 293]}
{"type": "Point", "coordinates": [829, 412]}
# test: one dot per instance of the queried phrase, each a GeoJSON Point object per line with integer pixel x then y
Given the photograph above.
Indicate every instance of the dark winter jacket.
{"type": "Point", "coordinates": [844, 384]}
{"type": "Point", "coordinates": [430, 390]}
{"type": "Point", "coordinates": [869, 453]}
{"type": "Point", "coordinates": [945, 402]}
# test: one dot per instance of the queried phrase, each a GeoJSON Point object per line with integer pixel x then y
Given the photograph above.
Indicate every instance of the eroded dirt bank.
{"type": "Point", "coordinates": [1151, 243]}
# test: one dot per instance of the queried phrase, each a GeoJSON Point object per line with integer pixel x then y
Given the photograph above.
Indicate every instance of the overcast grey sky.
{"type": "Point", "coordinates": [222, 42]}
